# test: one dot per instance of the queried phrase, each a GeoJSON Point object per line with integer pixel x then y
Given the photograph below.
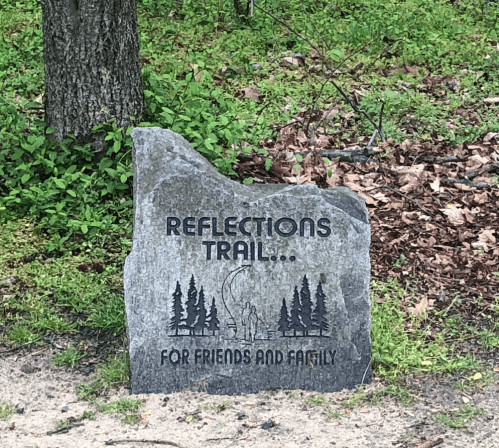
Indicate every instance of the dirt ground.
{"type": "Point", "coordinates": [46, 395]}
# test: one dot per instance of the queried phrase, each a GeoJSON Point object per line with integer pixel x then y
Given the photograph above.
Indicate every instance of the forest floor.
{"type": "Point", "coordinates": [258, 101]}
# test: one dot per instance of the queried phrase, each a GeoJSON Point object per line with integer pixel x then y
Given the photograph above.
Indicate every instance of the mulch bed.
{"type": "Point", "coordinates": [433, 208]}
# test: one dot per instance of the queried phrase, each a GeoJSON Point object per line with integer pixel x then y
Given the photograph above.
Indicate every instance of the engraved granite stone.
{"type": "Point", "coordinates": [236, 288]}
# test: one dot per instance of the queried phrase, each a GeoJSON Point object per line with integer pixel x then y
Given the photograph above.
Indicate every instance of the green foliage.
{"type": "Point", "coordinates": [116, 371]}
{"type": "Point", "coordinates": [68, 357]}
{"type": "Point", "coordinates": [6, 410]}
{"type": "Point", "coordinates": [203, 114]}
{"type": "Point", "coordinates": [127, 407]}
{"type": "Point", "coordinates": [400, 343]}
{"type": "Point", "coordinates": [224, 406]}
{"type": "Point", "coordinates": [89, 391]}
{"type": "Point", "coordinates": [197, 58]}
{"type": "Point", "coordinates": [460, 418]}
{"type": "Point", "coordinates": [316, 400]}
{"type": "Point", "coordinates": [62, 186]}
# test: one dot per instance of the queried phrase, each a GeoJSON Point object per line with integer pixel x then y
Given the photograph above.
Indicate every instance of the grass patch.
{"type": "Point", "coordinates": [333, 414]}
{"type": "Point", "coordinates": [68, 357]}
{"type": "Point", "coordinates": [207, 407]}
{"type": "Point", "coordinates": [87, 415]}
{"type": "Point", "coordinates": [89, 391]}
{"type": "Point", "coordinates": [6, 410]}
{"type": "Point", "coordinates": [128, 408]}
{"type": "Point", "coordinates": [402, 343]}
{"type": "Point", "coordinates": [316, 400]}
{"type": "Point", "coordinates": [479, 380]}
{"type": "Point", "coordinates": [112, 373]}
{"type": "Point", "coordinates": [460, 418]}
{"type": "Point", "coordinates": [224, 406]}
{"type": "Point", "coordinates": [43, 294]}
{"type": "Point", "coordinates": [116, 371]}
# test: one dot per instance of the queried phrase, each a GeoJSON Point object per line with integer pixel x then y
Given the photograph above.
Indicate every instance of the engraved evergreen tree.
{"type": "Point", "coordinates": [214, 323]}
{"type": "Point", "coordinates": [191, 306]}
{"type": "Point", "coordinates": [306, 306]}
{"type": "Point", "coordinates": [178, 310]}
{"type": "Point", "coordinates": [284, 320]}
{"type": "Point", "coordinates": [295, 323]}
{"type": "Point", "coordinates": [320, 317]}
{"type": "Point", "coordinates": [201, 313]}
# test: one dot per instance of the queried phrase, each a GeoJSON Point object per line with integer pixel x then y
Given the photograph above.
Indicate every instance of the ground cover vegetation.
{"type": "Point", "coordinates": [259, 98]}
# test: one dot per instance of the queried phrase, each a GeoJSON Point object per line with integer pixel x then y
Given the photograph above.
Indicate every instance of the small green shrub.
{"type": "Point", "coordinates": [68, 357]}
{"type": "Point", "coordinates": [6, 410]}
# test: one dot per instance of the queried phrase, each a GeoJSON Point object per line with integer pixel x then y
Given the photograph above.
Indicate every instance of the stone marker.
{"type": "Point", "coordinates": [232, 288]}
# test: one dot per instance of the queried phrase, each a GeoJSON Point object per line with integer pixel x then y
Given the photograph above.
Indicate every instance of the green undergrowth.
{"type": "Point", "coordinates": [111, 374]}
{"type": "Point", "coordinates": [6, 410]}
{"type": "Point", "coordinates": [459, 418]}
{"type": "Point", "coordinates": [403, 343]}
{"type": "Point", "coordinates": [42, 292]}
{"type": "Point", "coordinates": [197, 59]}
{"type": "Point", "coordinates": [68, 357]}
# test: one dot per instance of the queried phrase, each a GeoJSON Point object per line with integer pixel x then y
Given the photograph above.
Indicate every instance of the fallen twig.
{"type": "Point", "coordinates": [348, 155]}
{"type": "Point", "coordinates": [156, 442]}
{"type": "Point", "coordinates": [64, 429]}
{"type": "Point", "coordinates": [18, 347]}
{"type": "Point", "coordinates": [466, 182]}
{"type": "Point", "coordinates": [414, 201]}
{"type": "Point", "coordinates": [431, 159]}
{"type": "Point", "coordinates": [430, 443]}
{"type": "Point", "coordinates": [493, 168]}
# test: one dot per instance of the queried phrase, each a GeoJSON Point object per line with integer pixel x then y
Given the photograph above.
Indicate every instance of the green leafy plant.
{"type": "Point", "coordinates": [224, 406]}
{"type": "Point", "coordinates": [116, 371]}
{"type": "Point", "coordinates": [316, 400]}
{"type": "Point", "coordinates": [127, 407]}
{"type": "Point", "coordinates": [6, 410]}
{"type": "Point", "coordinates": [68, 357]}
{"type": "Point", "coordinates": [400, 344]}
{"type": "Point", "coordinates": [459, 419]}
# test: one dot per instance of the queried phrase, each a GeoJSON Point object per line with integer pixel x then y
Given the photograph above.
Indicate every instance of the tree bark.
{"type": "Point", "coordinates": [92, 65]}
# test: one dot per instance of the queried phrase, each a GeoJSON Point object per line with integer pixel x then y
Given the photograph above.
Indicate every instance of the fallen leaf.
{"type": "Point", "coordinates": [287, 61]}
{"type": "Point", "coordinates": [252, 93]}
{"type": "Point", "coordinates": [435, 185]}
{"type": "Point", "coordinates": [421, 307]}
{"type": "Point", "coordinates": [490, 136]}
{"type": "Point", "coordinates": [454, 214]}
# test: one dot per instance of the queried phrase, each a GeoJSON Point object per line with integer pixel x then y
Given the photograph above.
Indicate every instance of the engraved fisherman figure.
{"type": "Point", "coordinates": [244, 320]}
{"type": "Point", "coordinates": [252, 323]}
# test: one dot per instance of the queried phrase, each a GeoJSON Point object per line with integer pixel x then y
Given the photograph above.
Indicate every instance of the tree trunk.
{"type": "Point", "coordinates": [92, 65]}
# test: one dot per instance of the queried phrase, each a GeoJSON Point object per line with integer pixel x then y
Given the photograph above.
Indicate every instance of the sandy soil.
{"type": "Point", "coordinates": [188, 419]}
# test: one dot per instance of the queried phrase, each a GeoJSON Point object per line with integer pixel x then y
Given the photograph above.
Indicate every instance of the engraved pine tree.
{"type": "Point", "coordinates": [306, 306]}
{"type": "Point", "coordinates": [178, 310]}
{"type": "Point", "coordinates": [295, 323]}
{"type": "Point", "coordinates": [191, 306]}
{"type": "Point", "coordinates": [320, 312]}
{"type": "Point", "coordinates": [284, 322]}
{"type": "Point", "coordinates": [214, 323]}
{"type": "Point", "coordinates": [201, 313]}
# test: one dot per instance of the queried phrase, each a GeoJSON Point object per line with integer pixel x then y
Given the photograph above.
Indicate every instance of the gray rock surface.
{"type": "Point", "coordinates": [235, 289]}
